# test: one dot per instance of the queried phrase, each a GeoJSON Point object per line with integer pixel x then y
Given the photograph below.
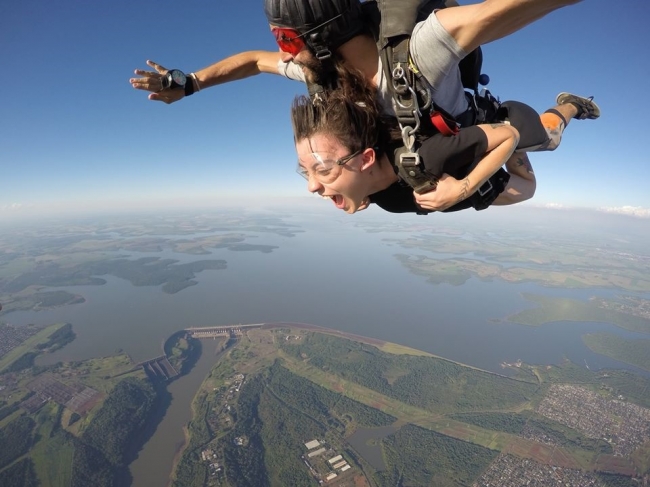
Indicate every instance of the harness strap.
{"type": "Point", "coordinates": [443, 124]}
{"type": "Point", "coordinates": [412, 172]}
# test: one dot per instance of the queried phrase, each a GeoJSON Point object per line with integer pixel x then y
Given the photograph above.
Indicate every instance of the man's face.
{"type": "Point", "coordinates": [347, 184]}
{"type": "Point", "coordinates": [293, 48]}
{"type": "Point", "coordinates": [311, 66]}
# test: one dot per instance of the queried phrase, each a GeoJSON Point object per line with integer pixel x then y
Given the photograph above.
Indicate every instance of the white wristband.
{"type": "Point", "coordinates": [196, 81]}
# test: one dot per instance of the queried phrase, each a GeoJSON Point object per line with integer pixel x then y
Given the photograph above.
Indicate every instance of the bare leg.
{"type": "Point", "coordinates": [522, 184]}
{"type": "Point", "coordinates": [480, 23]}
{"type": "Point", "coordinates": [555, 121]}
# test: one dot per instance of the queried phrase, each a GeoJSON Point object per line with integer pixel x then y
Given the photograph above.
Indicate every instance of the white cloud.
{"type": "Point", "coordinates": [636, 211]}
{"type": "Point", "coordinates": [555, 206]}
{"type": "Point", "coordinates": [11, 207]}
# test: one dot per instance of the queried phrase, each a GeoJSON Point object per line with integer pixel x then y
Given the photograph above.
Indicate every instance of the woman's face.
{"type": "Point", "coordinates": [334, 172]}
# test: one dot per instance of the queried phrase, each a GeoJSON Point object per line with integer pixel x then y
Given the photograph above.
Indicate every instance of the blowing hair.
{"type": "Point", "coordinates": [350, 113]}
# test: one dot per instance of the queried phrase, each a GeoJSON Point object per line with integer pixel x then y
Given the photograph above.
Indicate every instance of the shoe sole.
{"type": "Point", "coordinates": [592, 113]}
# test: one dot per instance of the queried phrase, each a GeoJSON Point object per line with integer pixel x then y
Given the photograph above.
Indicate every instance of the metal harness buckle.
{"type": "Point", "coordinates": [409, 159]}
{"type": "Point", "coordinates": [485, 188]}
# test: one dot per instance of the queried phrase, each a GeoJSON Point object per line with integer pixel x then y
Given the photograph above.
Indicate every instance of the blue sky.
{"type": "Point", "coordinates": [75, 134]}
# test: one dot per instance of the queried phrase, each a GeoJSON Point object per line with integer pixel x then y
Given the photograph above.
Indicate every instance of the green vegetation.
{"type": "Point", "coordinates": [536, 425]}
{"type": "Point", "coordinates": [633, 352]}
{"type": "Point", "coordinates": [182, 351]}
{"type": "Point", "coordinates": [53, 451]}
{"type": "Point", "coordinates": [122, 415]}
{"type": "Point", "coordinates": [324, 406]}
{"type": "Point", "coordinates": [113, 431]}
{"type": "Point", "coordinates": [58, 339]}
{"type": "Point", "coordinates": [610, 480]}
{"type": "Point", "coordinates": [506, 422]}
{"type": "Point", "coordinates": [16, 439]}
{"type": "Point", "coordinates": [566, 437]}
{"type": "Point", "coordinates": [634, 387]}
{"type": "Point", "coordinates": [548, 262]}
{"type": "Point", "coordinates": [283, 451]}
{"type": "Point", "coordinates": [416, 456]}
{"type": "Point", "coordinates": [90, 467]}
{"type": "Point", "coordinates": [8, 410]}
{"type": "Point", "coordinates": [20, 474]}
{"type": "Point", "coordinates": [28, 345]}
{"type": "Point", "coordinates": [246, 465]}
{"type": "Point", "coordinates": [431, 383]}
{"type": "Point", "coordinates": [301, 385]}
{"type": "Point", "coordinates": [25, 361]}
{"type": "Point", "coordinates": [146, 271]}
{"type": "Point", "coordinates": [190, 471]}
{"type": "Point", "coordinates": [564, 309]}
{"type": "Point", "coordinates": [38, 300]}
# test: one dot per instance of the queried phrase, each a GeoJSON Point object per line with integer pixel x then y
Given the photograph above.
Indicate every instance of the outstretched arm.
{"type": "Point", "coordinates": [487, 21]}
{"type": "Point", "coordinates": [501, 142]}
{"type": "Point", "coordinates": [239, 66]}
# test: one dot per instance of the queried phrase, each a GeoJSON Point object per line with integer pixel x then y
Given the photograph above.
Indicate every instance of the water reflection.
{"type": "Point", "coordinates": [154, 462]}
{"type": "Point", "coordinates": [366, 441]}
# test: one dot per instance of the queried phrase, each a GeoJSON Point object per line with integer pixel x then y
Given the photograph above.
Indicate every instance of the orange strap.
{"type": "Point", "coordinates": [440, 122]}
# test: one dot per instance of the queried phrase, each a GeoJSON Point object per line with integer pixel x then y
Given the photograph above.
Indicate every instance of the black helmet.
{"type": "Point", "coordinates": [304, 15]}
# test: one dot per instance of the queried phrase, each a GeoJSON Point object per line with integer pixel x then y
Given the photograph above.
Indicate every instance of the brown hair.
{"type": "Point", "coordinates": [351, 113]}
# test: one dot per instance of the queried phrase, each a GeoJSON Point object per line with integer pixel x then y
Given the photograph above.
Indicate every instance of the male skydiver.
{"type": "Point", "coordinates": [305, 29]}
{"type": "Point", "coordinates": [314, 35]}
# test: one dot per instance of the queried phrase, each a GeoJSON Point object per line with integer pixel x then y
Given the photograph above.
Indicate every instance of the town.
{"type": "Point", "coordinates": [624, 425]}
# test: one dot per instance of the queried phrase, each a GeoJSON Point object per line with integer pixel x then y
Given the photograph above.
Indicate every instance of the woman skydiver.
{"type": "Point", "coordinates": [347, 151]}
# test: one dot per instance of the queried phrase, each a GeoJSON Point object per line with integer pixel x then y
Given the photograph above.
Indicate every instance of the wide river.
{"type": "Point", "coordinates": [333, 275]}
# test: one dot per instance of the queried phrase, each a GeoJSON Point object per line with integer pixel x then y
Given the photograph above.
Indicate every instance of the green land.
{"type": "Point", "coordinates": [455, 256]}
{"type": "Point", "coordinates": [276, 389]}
{"type": "Point", "coordinates": [565, 309]}
{"type": "Point", "coordinates": [51, 445]}
{"type": "Point", "coordinates": [633, 352]}
{"type": "Point", "coordinates": [273, 389]}
{"type": "Point", "coordinates": [31, 261]}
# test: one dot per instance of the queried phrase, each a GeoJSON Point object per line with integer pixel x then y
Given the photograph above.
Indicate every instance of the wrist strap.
{"type": "Point", "coordinates": [191, 84]}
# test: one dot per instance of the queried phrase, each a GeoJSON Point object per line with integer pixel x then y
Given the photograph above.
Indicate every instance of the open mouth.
{"type": "Point", "coordinates": [338, 201]}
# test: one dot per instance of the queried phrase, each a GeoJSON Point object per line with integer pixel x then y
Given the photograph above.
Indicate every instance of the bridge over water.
{"type": "Point", "coordinates": [217, 331]}
{"type": "Point", "coordinates": [159, 368]}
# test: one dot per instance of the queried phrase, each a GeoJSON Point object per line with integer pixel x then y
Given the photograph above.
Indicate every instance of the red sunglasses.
{"type": "Point", "coordinates": [291, 41]}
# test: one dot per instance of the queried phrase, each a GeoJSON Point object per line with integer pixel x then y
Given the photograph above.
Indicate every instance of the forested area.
{"type": "Point", "coordinates": [20, 474]}
{"type": "Point", "coordinates": [284, 432]}
{"type": "Point", "coordinates": [634, 352]}
{"type": "Point", "coordinates": [324, 405]}
{"type": "Point", "coordinates": [90, 467]}
{"type": "Point", "coordinates": [9, 409]}
{"type": "Point", "coordinates": [58, 339]}
{"type": "Point", "coordinates": [191, 471]}
{"type": "Point", "coordinates": [111, 432]}
{"type": "Point", "coordinates": [427, 382]}
{"type": "Point", "coordinates": [611, 480]}
{"type": "Point", "coordinates": [506, 422]}
{"type": "Point", "coordinates": [245, 466]}
{"type": "Point", "coordinates": [566, 437]}
{"type": "Point", "coordinates": [15, 439]}
{"type": "Point", "coordinates": [417, 456]}
{"type": "Point", "coordinates": [25, 361]}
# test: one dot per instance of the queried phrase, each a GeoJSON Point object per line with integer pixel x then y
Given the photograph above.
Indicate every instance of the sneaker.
{"type": "Point", "coordinates": [586, 106]}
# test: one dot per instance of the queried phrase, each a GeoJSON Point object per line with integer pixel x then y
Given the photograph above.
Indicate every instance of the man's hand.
{"type": "Point", "coordinates": [448, 192]}
{"type": "Point", "coordinates": [152, 81]}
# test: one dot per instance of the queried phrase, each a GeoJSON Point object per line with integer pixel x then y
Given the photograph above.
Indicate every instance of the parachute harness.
{"type": "Point", "coordinates": [401, 80]}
